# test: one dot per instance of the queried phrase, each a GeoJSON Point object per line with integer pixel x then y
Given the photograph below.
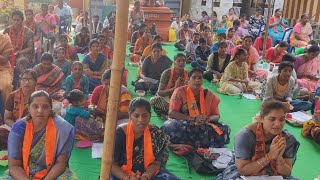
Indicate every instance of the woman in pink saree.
{"type": "Point", "coordinates": [307, 67]}
{"type": "Point", "coordinates": [302, 32]}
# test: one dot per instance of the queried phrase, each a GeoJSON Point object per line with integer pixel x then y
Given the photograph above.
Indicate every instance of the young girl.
{"type": "Point", "coordinates": [77, 101]}
{"type": "Point", "coordinates": [63, 63]}
{"type": "Point", "coordinates": [77, 80]}
{"type": "Point", "coordinates": [235, 77]}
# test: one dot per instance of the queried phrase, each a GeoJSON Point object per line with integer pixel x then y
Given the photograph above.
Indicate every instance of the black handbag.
{"type": "Point", "coordinates": [201, 164]}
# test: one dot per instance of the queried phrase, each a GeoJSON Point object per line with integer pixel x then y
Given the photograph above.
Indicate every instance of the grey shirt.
{"type": "Point", "coordinates": [154, 70]}
{"type": "Point", "coordinates": [271, 85]}
{"type": "Point", "coordinates": [245, 143]}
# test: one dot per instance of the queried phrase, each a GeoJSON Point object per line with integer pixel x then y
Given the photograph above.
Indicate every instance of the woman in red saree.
{"type": "Point", "coordinates": [264, 148]}
{"type": "Point", "coordinates": [49, 77]}
{"type": "Point", "coordinates": [92, 128]}
{"type": "Point", "coordinates": [275, 54]}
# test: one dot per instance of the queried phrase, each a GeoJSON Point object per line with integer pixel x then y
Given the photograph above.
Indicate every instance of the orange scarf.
{"type": "Point", "coordinates": [148, 156]}
{"type": "Point", "coordinates": [260, 149]}
{"type": "Point", "coordinates": [16, 38]}
{"type": "Point", "coordinates": [171, 78]}
{"type": "Point", "coordinates": [273, 20]}
{"type": "Point", "coordinates": [192, 103]}
{"type": "Point", "coordinates": [50, 147]}
{"type": "Point", "coordinates": [18, 108]}
{"type": "Point", "coordinates": [103, 100]}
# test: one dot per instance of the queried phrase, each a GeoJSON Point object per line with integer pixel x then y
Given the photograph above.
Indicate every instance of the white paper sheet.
{"type": "Point", "coordinates": [249, 96]}
{"type": "Point", "coordinates": [97, 150]}
{"type": "Point", "coordinates": [262, 177]}
{"type": "Point", "coordinates": [301, 116]}
{"type": "Point", "coordinates": [223, 160]}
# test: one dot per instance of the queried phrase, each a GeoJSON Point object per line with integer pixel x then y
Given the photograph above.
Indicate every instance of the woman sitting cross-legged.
{"type": "Point", "coordinates": [49, 77]}
{"type": "Point", "coordinates": [217, 62]}
{"type": "Point", "coordinates": [281, 87]}
{"type": "Point", "coordinates": [152, 68]}
{"type": "Point", "coordinates": [17, 103]}
{"type": "Point", "coordinates": [141, 149]}
{"type": "Point", "coordinates": [264, 148]}
{"type": "Point", "coordinates": [94, 64]}
{"type": "Point", "coordinates": [92, 128]}
{"type": "Point", "coordinates": [235, 77]}
{"type": "Point", "coordinates": [194, 114]}
{"type": "Point", "coordinates": [40, 144]}
{"type": "Point", "coordinates": [140, 45]}
{"type": "Point", "coordinates": [170, 80]}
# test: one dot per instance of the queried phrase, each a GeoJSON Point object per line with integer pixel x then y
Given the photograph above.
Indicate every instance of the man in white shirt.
{"type": "Point", "coordinates": [176, 25]}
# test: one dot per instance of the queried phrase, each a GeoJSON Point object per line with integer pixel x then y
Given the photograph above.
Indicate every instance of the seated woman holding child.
{"type": "Point", "coordinates": [141, 149]}
{"type": "Point", "coordinates": [194, 114]}
{"type": "Point", "coordinates": [235, 78]}
{"type": "Point", "coordinates": [95, 63]}
{"type": "Point", "coordinates": [16, 105]}
{"type": "Point", "coordinates": [49, 77]}
{"type": "Point", "coordinates": [170, 80]}
{"type": "Point", "coordinates": [77, 80]}
{"type": "Point", "coordinates": [92, 128]}
{"type": "Point", "coordinates": [264, 148]}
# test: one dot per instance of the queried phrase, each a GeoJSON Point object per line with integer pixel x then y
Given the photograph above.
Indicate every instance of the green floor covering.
{"type": "Point", "coordinates": [234, 111]}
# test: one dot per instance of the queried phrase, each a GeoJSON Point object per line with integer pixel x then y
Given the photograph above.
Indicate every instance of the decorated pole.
{"type": "Point", "coordinates": [122, 9]}
{"type": "Point", "coordinates": [266, 30]}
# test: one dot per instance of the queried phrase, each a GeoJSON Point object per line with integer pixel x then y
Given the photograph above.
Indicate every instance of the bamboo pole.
{"type": "Point", "coordinates": [122, 9]}
{"type": "Point", "coordinates": [266, 31]}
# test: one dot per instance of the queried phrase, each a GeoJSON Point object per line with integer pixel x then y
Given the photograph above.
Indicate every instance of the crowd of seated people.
{"type": "Point", "coordinates": [227, 53]}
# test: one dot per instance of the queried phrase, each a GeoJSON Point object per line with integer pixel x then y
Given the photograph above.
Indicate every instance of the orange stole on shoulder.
{"type": "Point", "coordinates": [260, 149]}
{"type": "Point", "coordinates": [170, 83]}
{"type": "Point", "coordinates": [148, 156]}
{"type": "Point", "coordinates": [50, 147]}
{"type": "Point", "coordinates": [192, 104]}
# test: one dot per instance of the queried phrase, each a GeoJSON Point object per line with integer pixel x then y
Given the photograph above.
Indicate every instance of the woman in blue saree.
{"type": "Point", "coordinates": [94, 64]}
{"type": "Point", "coordinates": [39, 145]}
{"type": "Point", "coordinates": [277, 27]}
